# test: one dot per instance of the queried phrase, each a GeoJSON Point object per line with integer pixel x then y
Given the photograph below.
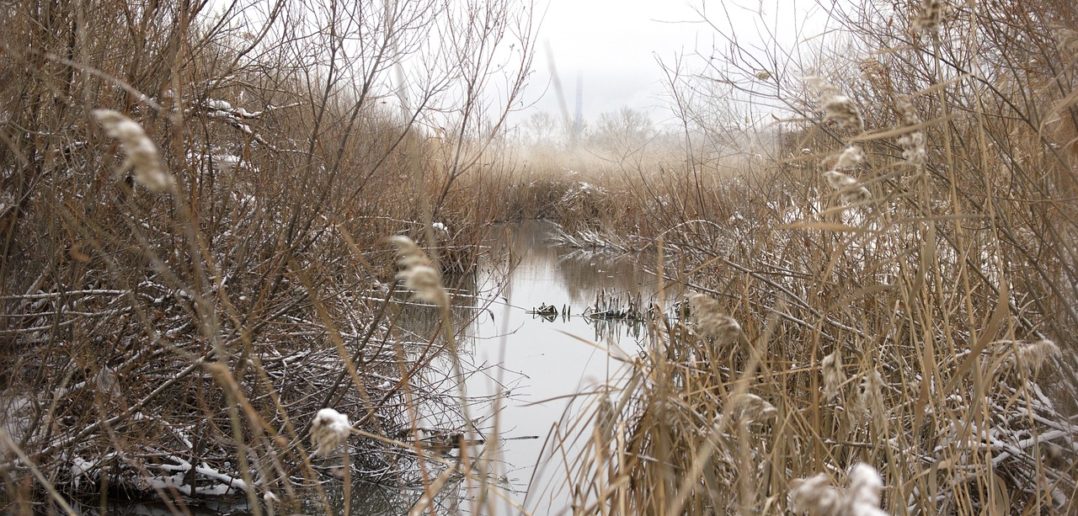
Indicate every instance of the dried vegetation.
{"type": "Point", "coordinates": [876, 244]}
{"type": "Point", "coordinates": [895, 282]}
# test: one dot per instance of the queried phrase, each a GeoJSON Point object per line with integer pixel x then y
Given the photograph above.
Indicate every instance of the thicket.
{"type": "Point", "coordinates": [870, 243]}
{"type": "Point", "coordinates": [194, 204]}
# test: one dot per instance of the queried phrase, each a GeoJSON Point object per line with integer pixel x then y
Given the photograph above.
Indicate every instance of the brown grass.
{"type": "Point", "coordinates": [945, 296]}
{"type": "Point", "coordinates": [149, 331]}
{"type": "Point", "coordinates": [912, 318]}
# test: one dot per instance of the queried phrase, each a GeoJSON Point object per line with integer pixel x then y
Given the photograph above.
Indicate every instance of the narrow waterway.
{"type": "Point", "coordinates": [548, 365]}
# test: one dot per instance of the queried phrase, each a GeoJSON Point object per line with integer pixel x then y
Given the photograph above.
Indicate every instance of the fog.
{"type": "Point", "coordinates": [615, 47]}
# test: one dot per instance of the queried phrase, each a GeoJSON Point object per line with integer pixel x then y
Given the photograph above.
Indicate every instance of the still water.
{"type": "Point", "coordinates": [546, 363]}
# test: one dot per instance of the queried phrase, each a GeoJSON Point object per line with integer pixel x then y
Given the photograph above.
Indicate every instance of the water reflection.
{"type": "Point", "coordinates": [529, 357]}
{"type": "Point", "coordinates": [582, 275]}
{"type": "Point", "coordinates": [542, 359]}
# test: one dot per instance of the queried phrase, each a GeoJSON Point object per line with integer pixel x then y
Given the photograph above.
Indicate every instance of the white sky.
{"type": "Point", "coordinates": [613, 44]}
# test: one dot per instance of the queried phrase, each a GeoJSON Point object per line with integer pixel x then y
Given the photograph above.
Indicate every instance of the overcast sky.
{"type": "Point", "coordinates": [613, 45]}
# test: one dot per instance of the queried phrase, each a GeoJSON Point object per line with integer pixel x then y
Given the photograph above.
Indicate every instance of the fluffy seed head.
{"type": "Point", "coordinates": [142, 156]}
{"type": "Point", "coordinates": [864, 491]}
{"type": "Point", "coordinates": [850, 158]}
{"type": "Point", "coordinates": [838, 180]}
{"type": "Point", "coordinates": [929, 15]}
{"type": "Point", "coordinates": [328, 431]}
{"type": "Point", "coordinates": [1029, 356]}
{"type": "Point", "coordinates": [837, 108]}
{"type": "Point", "coordinates": [856, 195]}
{"type": "Point", "coordinates": [833, 375]}
{"type": "Point", "coordinates": [869, 398]}
{"type": "Point", "coordinates": [710, 320]}
{"type": "Point", "coordinates": [843, 111]}
{"type": "Point", "coordinates": [816, 495]}
{"type": "Point", "coordinates": [849, 188]}
{"type": "Point", "coordinates": [913, 148]}
{"type": "Point", "coordinates": [749, 407]}
{"type": "Point", "coordinates": [418, 272]}
{"type": "Point", "coordinates": [912, 144]}
{"type": "Point", "coordinates": [813, 495]}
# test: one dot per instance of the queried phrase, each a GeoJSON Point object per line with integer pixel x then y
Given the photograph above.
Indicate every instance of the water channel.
{"type": "Point", "coordinates": [548, 360]}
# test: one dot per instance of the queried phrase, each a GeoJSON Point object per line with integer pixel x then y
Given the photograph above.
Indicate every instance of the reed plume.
{"type": "Point", "coordinates": [329, 430]}
{"type": "Point", "coordinates": [837, 107]}
{"type": "Point", "coordinates": [418, 273]}
{"type": "Point", "coordinates": [142, 156]}
{"type": "Point", "coordinates": [711, 322]}
{"type": "Point", "coordinates": [816, 495]}
{"type": "Point", "coordinates": [833, 375]}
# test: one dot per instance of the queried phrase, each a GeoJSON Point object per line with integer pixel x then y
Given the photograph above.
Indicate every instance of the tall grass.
{"type": "Point", "coordinates": [900, 269]}
{"type": "Point", "coordinates": [875, 240]}
{"type": "Point", "coordinates": [194, 205]}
